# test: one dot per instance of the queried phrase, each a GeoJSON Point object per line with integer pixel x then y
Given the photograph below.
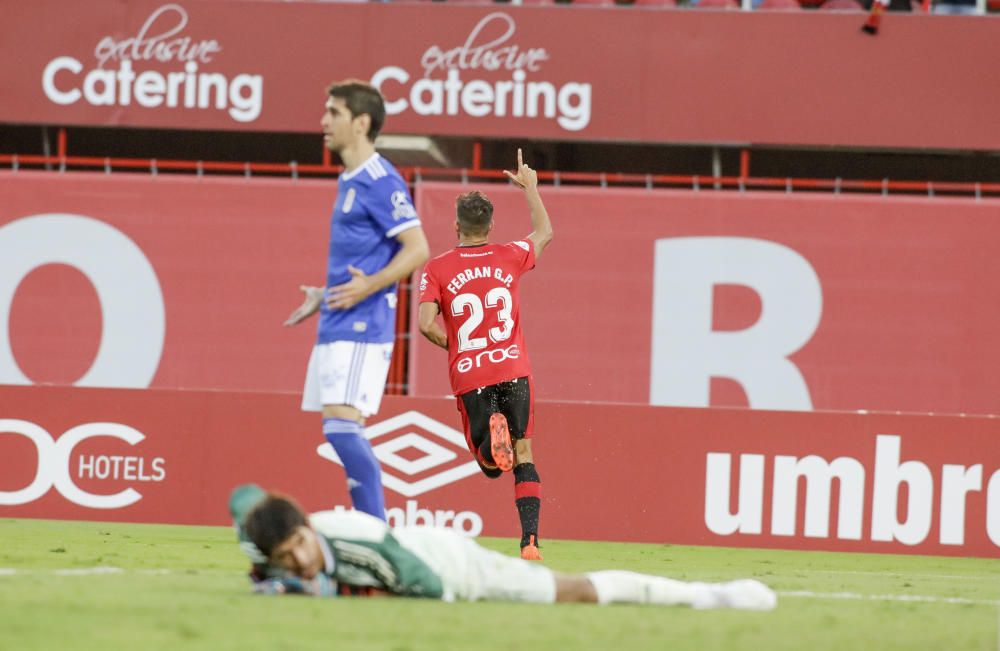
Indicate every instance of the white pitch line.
{"type": "Point", "coordinates": [86, 571]}
{"type": "Point", "coordinates": [908, 575]}
{"type": "Point", "coordinates": [102, 569]}
{"type": "Point", "coordinates": [854, 596]}
{"type": "Point", "coordinates": [64, 571]}
{"type": "Point", "coordinates": [795, 594]}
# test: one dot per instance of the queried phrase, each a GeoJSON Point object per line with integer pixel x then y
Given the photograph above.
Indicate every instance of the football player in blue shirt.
{"type": "Point", "coordinates": [375, 240]}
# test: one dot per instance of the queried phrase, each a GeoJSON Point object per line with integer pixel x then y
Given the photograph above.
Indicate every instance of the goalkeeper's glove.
{"type": "Point", "coordinates": [321, 586]}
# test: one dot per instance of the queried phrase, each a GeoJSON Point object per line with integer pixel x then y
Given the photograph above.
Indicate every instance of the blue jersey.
{"type": "Point", "coordinates": [373, 206]}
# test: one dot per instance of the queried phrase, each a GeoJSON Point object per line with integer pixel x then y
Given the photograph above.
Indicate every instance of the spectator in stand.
{"type": "Point", "coordinates": [714, 4]}
{"type": "Point", "coordinates": [956, 7]}
{"type": "Point", "coordinates": [894, 5]}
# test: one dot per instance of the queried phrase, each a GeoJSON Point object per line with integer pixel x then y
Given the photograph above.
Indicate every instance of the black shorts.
{"type": "Point", "coordinates": [513, 399]}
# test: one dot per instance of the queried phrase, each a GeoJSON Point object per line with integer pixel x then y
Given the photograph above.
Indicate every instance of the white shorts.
{"type": "Point", "coordinates": [473, 573]}
{"type": "Point", "coordinates": [347, 373]}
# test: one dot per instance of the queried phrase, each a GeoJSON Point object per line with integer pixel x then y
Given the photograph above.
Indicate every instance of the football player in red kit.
{"type": "Point", "coordinates": [474, 287]}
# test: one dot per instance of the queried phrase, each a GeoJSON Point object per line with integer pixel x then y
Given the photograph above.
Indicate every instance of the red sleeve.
{"type": "Point", "coordinates": [430, 289]}
{"type": "Point", "coordinates": [524, 252]}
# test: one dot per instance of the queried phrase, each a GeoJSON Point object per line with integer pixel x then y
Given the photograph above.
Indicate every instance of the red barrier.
{"type": "Point", "coordinates": [183, 282]}
{"type": "Point", "coordinates": [816, 302]}
{"type": "Point", "coordinates": [776, 301]}
{"type": "Point", "coordinates": [904, 484]}
{"type": "Point", "coordinates": [658, 76]}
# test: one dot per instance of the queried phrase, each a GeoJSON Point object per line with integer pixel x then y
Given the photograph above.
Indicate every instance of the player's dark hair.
{"type": "Point", "coordinates": [272, 521]}
{"type": "Point", "coordinates": [475, 213]}
{"type": "Point", "coordinates": [361, 98]}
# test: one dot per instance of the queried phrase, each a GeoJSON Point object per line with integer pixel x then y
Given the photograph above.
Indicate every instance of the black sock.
{"type": "Point", "coordinates": [528, 498]}
{"type": "Point", "coordinates": [490, 472]}
{"type": "Point", "coordinates": [486, 451]}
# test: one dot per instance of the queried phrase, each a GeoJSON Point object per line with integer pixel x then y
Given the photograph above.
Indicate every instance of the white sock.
{"type": "Point", "coordinates": [618, 586]}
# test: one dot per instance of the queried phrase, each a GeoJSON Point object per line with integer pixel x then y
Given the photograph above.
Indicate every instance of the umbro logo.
{"type": "Point", "coordinates": [439, 451]}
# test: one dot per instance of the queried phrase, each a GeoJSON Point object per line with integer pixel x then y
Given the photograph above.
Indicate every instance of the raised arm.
{"type": "Point", "coordinates": [527, 179]}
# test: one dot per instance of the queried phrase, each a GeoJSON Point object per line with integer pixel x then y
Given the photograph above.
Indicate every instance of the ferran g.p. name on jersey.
{"type": "Point", "coordinates": [373, 206]}
{"type": "Point", "coordinates": [476, 289]}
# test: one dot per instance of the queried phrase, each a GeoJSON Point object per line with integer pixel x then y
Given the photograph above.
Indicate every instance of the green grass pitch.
{"type": "Point", "coordinates": [173, 587]}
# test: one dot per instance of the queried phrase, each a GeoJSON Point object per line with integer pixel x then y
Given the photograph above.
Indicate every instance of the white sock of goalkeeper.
{"type": "Point", "coordinates": [619, 586]}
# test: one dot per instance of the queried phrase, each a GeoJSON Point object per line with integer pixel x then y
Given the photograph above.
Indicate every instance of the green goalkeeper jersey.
{"type": "Point", "coordinates": [360, 551]}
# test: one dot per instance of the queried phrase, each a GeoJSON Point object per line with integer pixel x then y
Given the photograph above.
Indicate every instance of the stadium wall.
{"type": "Point", "coordinates": [767, 300]}
{"type": "Point", "coordinates": [183, 283]}
{"type": "Point", "coordinates": [773, 301]}
{"type": "Point", "coordinates": [177, 299]}
{"type": "Point", "coordinates": [659, 76]}
{"type": "Point", "coordinates": [820, 481]}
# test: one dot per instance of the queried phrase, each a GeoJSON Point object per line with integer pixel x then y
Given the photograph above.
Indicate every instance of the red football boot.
{"type": "Point", "coordinates": [530, 552]}
{"type": "Point", "coordinates": [500, 445]}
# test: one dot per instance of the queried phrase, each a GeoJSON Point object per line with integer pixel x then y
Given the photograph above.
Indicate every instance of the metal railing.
{"type": "Point", "coordinates": [292, 169]}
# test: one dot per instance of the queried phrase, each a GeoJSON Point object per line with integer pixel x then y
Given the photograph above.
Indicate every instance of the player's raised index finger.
{"type": "Point", "coordinates": [520, 161]}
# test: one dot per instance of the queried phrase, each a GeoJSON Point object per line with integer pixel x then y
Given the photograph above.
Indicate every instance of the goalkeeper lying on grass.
{"type": "Point", "coordinates": [351, 553]}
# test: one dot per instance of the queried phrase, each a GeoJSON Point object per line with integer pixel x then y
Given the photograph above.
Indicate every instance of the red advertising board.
{"type": "Point", "coordinates": [167, 281]}
{"type": "Point", "coordinates": [658, 76]}
{"type": "Point", "coordinates": [774, 301]}
{"type": "Point", "coordinates": [830, 481]}
{"type": "Point", "coordinates": [675, 298]}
